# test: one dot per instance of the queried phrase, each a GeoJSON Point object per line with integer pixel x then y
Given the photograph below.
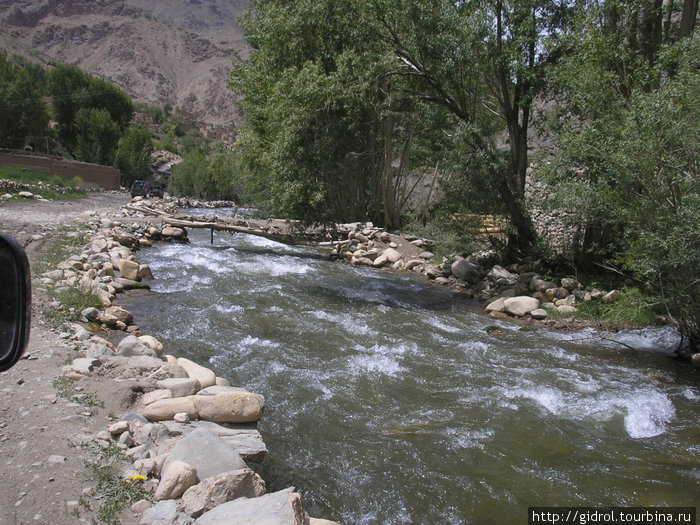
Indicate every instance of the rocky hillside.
{"type": "Point", "coordinates": [158, 51]}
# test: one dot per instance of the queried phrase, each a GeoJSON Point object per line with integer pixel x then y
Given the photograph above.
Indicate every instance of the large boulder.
{"type": "Point", "coordinates": [122, 315]}
{"type": "Point", "coordinates": [164, 513]}
{"type": "Point", "coordinates": [570, 284]}
{"type": "Point", "coordinates": [245, 440]}
{"type": "Point", "coordinates": [218, 389]}
{"type": "Point", "coordinates": [131, 367]}
{"type": "Point", "coordinates": [132, 346]}
{"type": "Point", "coordinates": [520, 306]}
{"type": "Point", "coordinates": [392, 255]}
{"type": "Point", "coordinates": [207, 453]}
{"type": "Point", "coordinates": [462, 269]}
{"type": "Point", "coordinates": [498, 272]}
{"type": "Point", "coordinates": [180, 386]}
{"type": "Point", "coordinates": [496, 306]}
{"type": "Point", "coordinates": [155, 395]}
{"type": "Point", "coordinates": [279, 508]}
{"type": "Point", "coordinates": [205, 376]}
{"type": "Point", "coordinates": [167, 371]}
{"type": "Point", "coordinates": [229, 407]}
{"type": "Point", "coordinates": [222, 488]}
{"type": "Point", "coordinates": [151, 341]}
{"type": "Point", "coordinates": [128, 269]}
{"type": "Point", "coordinates": [164, 409]}
{"type": "Point", "coordinates": [175, 479]}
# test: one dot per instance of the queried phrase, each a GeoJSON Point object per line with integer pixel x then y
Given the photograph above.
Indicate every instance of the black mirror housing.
{"type": "Point", "coordinates": [15, 301]}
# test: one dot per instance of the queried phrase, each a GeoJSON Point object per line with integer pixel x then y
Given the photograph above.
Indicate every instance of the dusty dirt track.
{"type": "Point", "coordinates": [43, 474]}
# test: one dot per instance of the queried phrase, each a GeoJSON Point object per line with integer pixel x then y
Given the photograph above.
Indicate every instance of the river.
{"type": "Point", "coordinates": [390, 401]}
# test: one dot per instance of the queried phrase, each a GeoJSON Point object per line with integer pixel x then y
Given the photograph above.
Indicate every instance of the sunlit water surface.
{"type": "Point", "coordinates": [388, 401]}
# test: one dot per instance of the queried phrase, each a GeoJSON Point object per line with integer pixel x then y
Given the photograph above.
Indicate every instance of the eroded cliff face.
{"type": "Point", "coordinates": [158, 51]}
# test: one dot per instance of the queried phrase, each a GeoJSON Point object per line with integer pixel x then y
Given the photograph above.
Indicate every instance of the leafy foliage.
{"type": "Point", "coordinates": [23, 114]}
{"type": "Point", "coordinates": [133, 154]}
{"type": "Point", "coordinates": [627, 167]}
{"type": "Point", "coordinates": [210, 177]}
{"type": "Point", "coordinates": [73, 91]}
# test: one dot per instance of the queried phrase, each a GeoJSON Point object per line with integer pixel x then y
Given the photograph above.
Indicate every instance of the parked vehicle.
{"type": "Point", "coordinates": [138, 189]}
{"type": "Point", "coordinates": [156, 191]}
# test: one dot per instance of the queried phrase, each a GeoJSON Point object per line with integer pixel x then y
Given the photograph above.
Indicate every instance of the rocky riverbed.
{"type": "Point", "coordinates": [188, 435]}
{"type": "Point", "coordinates": [159, 408]}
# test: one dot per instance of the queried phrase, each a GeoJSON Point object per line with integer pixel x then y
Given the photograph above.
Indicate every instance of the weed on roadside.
{"type": "Point", "coordinates": [114, 492]}
{"type": "Point", "coordinates": [67, 241]}
{"type": "Point", "coordinates": [69, 303]}
{"type": "Point", "coordinates": [65, 388]}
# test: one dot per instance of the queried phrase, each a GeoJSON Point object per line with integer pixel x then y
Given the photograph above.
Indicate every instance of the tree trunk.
{"type": "Point", "coordinates": [666, 24]}
{"type": "Point", "coordinates": [526, 237]}
{"type": "Point", "coordinates": [518, 155]}
{"type": "Point", "coordinates": [688, 18]}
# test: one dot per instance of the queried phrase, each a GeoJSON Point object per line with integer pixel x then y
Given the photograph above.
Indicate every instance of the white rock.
{"type": "Point", "coordinates": [496, 306]}
{"type": "Point", "coordinates": [205, 376]}
{"type": "Point", "coordinates": [283, 507]}
{"type": "Point", "coordinates": [182, 417]}
{"type": "Point", "coordinates": [566, 309]}
{"type": "Point", "coordinates": [392, 255]}
{"type": "Point", "coordinates": [156, 395]}
{"type": "Point", "coordinates": [128, 269]}
{"type": "Point", "coordinates": [151, 341]}
{"type": "Point", "coordinates": [224, 487]}
{"type": "Point", "coordinates": [167, 408]}
{"type": "Point", "coordinates": [176, 478]}
{"type": "Point", "coordinates": [229, 407]}
{"type": "Point", "coordinates": [539, 314]}
{"type": "Point", "coordinates": [119, 427]}
{"type": "Point", "coordinates": [521, 305]}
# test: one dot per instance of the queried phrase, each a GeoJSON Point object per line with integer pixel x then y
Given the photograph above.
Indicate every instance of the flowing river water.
{"type": "Point", "coordinates": [388, 401]}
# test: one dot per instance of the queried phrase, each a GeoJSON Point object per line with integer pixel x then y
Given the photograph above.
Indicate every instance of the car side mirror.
{"type": "Point", "coordinates": [15, 301]}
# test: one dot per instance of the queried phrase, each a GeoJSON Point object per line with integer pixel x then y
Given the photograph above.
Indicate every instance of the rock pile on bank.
{"type": "Point", "coordinates": [191, 435]}
{"type": "Point", "coordinates": [521, 290]}
{"type": "Point", "coordinates": [10, 189]}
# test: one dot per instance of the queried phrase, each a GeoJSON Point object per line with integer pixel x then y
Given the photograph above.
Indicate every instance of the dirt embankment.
{"type": "Point", "coordinates": [43, 473]}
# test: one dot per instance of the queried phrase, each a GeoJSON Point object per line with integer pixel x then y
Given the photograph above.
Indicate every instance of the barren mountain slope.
{"type": "Point", "coordinates": [158, 51]}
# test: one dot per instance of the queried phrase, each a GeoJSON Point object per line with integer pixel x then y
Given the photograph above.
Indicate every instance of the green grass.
{"type": "Point", "coordinates": [25, 176]}
{"type": "Point", "coordinates": [67, 241]}
{"type": "Point", "coordinates": [71, 303]}
{"type": "Point", "coordinates": [632, 307]}
{"type": "Point", "coordinates": [113, 491]}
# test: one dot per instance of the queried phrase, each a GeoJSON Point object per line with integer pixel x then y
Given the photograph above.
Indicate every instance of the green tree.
{"type": "Point", "coordinates": [333, 106]}
{"type": "Point", "coordinates": [222, 171]}
{"type": "Point", "coordinates": [97, 136]}
{"type": "Point", "coordinates": [331, 131]}
{"type": "Point", "coordinates": [23, 113]}
{"type": "Point", "coordinates": [72, 90]}
{"type": "Point", "coordinates": [626, 166]}
{"type": "Point", "coordinates": [481, 60]}
{"type": "Point", "coordinates": [133, 156]}
{"type": "Point", "coordinates": [190, 176]}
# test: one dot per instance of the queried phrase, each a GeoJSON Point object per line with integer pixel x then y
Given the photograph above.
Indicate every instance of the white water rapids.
{"type": "Point", "coordinates": [389, 402]}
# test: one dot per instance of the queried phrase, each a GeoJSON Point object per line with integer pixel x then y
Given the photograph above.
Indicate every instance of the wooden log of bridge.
{"type": "Point", "coordinates": [221, 225]}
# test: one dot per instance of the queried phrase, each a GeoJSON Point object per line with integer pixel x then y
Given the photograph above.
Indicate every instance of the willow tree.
{"type": "Point", "coordinates": [473, 56]}
{"type": "Point", "coordinates": [330, 129]}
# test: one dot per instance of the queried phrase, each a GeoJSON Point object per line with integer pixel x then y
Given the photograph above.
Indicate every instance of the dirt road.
{"type": "Point", "coordinates": [43, 474]}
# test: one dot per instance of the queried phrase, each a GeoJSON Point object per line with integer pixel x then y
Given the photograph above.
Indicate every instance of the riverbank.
{"type": "Point", "coordinates": [100, 380]}
{"type": "Point", "coordinates": [91, 419]}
